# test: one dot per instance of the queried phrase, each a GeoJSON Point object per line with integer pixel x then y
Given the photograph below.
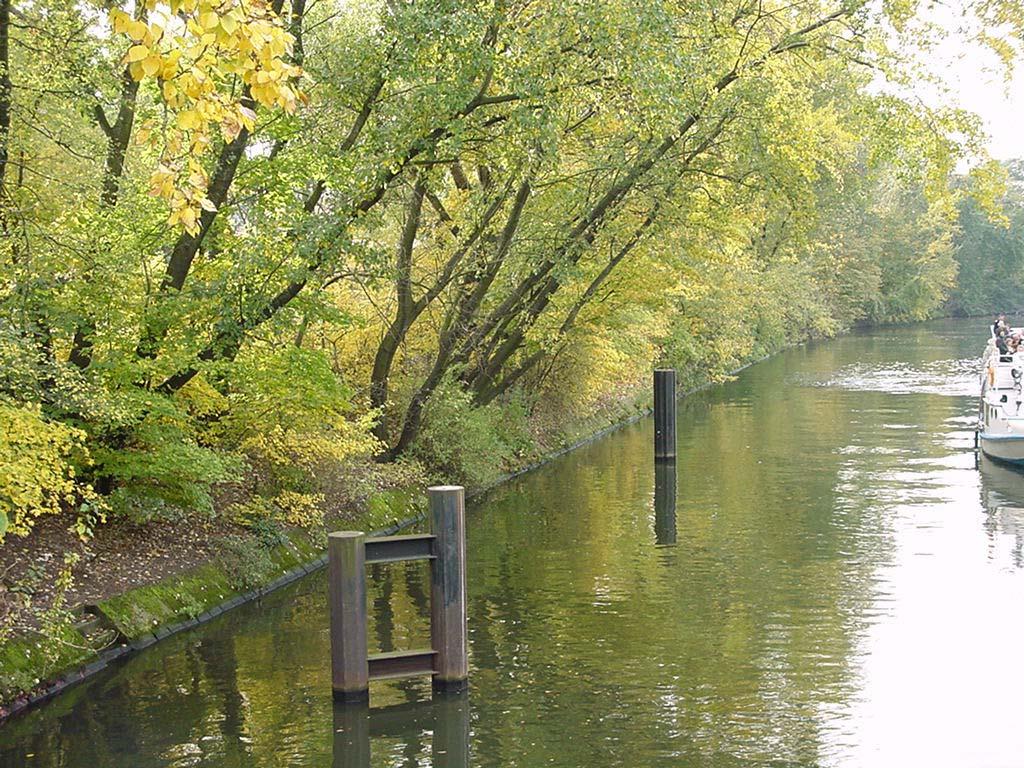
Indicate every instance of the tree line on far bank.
{"type": "Point", "coordinates": [266, 243]}
{"type": "Point", "coordinates": [990, 253]}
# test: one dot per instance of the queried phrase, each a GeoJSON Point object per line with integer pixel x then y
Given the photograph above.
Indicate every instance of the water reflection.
{"type": "Point", "coordinates": [357, 728]}
{"type": "Point", "coordinates": [351, 736]}
{"type": "Point", "coordinates": [1002, 494]}
{"type": "Point", "coordinates": [665, 503]}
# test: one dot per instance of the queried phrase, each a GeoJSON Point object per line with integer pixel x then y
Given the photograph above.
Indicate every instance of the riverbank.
{"type": "Point", "coordinates": [137, 583]}
{"type": "Point", "coordinates": [134, 584]}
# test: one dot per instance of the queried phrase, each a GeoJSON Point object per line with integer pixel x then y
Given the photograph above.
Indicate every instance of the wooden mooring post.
{"type": "Point", "coordinates": [346, 587]}
{"type": "Point", "coordinates": [349, 552]}
{"type": "Point", "coordinates": [664, 414]}
{"type": "Point", "coordinates": [448, 588]}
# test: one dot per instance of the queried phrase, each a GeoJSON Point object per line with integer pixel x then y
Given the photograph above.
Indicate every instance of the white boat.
{"type": "Point", "coordinates": [1001, 416]}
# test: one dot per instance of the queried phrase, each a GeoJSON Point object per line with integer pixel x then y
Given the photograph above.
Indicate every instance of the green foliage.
{"type": "Point", "coordinates": [990, 252]}
{"type": "Point", "coordinates": [246, 563]}
{"type": "Point", "coordinates": [475, 446]}
{"type": "Point", "coordinates": [163, 472]}
{"type": "Point", "coordinates": [288, 411]}
{"type": "Point", "coordinates": [531, 207]}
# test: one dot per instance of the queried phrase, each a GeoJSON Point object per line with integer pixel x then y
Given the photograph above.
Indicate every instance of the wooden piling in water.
{"type": "Point", "coordinates": [350, 669]}
{"type": "Point", "coordinates": [664, 413]}
{"type": "Point", "coordinates": [448, 588]}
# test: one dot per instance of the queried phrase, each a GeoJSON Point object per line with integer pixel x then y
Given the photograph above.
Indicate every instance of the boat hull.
{"type": "Point", "coordinates": [1008, 448]}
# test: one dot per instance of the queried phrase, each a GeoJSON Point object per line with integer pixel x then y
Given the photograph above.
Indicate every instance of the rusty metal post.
{"type": "Point", "coordinates": [665, 502]}
{"type": "Point", "coordinates": [664, 413]}
{"type": "Point", "coordinates": [350, 669]}
{"type": "Point", "coordinates": [448, 588]}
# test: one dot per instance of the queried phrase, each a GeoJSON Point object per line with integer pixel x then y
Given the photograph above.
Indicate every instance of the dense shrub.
{"type": "Point", "coordinates": [38, 460]}
{"type": "Point", "coordinates": [461, 443]}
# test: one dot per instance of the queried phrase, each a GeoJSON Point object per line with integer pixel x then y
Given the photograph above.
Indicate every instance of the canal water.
{"type": "Point", "coordinates": [835, 583]}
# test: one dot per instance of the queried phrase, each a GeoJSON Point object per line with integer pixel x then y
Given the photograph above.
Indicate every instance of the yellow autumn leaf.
{"type": "Point", "coordinates": [262, 94]}
{"type": "Point", "coordinates": [119, 21]}
{"type": "Point", "coordinates": [161, 183]}
{"type": "Point", "coordinates": [169, 70]}
{"type": "Point", "coordinates": [191, 86]}
{"type": "Point", "coordinates": [189, 120]}
{"type": "Point", "coordinates": [229, 129]}
{"type": "Point", "coordinates": [137, 53]}
{"type": "Point", "coordinates": [197, 174]}
{"type": "Point", "coordinates": [151, 65]}
{"type": "Point", "coordinates": [136, 30]}
{"type": "Point", "coordinates": [247, 116]}
{"type": "Point", "coordinates": [154, 34]}
{"type": "Point", "coordinates": [189, 219]}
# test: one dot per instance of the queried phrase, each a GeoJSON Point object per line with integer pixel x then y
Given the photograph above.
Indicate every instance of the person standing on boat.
{"type": "Point", "coordinates": [1000, 323]}
{"type": "Point", "coordinates": [1002, 343]}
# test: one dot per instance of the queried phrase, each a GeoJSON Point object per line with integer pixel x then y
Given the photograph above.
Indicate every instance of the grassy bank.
{"type": "Point", "coordinates": [69, 645]}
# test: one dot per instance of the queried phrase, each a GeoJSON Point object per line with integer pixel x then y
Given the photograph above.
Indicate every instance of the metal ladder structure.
{"type": "Point", "coordinates": [348, 553]}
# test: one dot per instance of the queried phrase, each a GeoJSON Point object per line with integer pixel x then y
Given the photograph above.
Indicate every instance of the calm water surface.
{"type": "Point", "coordinates": [844, 589]}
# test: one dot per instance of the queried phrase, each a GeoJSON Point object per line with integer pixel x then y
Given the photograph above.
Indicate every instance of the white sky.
{"type": "Point", "coordinates": [976, 80]}
{"type": "Point", "coordinates": [978, 84]}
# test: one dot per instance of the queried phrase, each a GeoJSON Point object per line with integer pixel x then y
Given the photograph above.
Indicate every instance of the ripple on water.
{"type": "Point", "coordinates": [955, 377]}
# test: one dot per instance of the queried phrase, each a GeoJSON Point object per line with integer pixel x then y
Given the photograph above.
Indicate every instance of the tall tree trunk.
{"type": "Point", "coordinates": [395, 333]}
{"type": "Point", "coordinates": [409, 309]}
{"type": "Point", "coordinates": [465, 306]}
{"type": "Point", "coordinates": [504, 343]}
{"type": "Point", "coordinates": [5, 105]}
{"type": "Point", "coordinates": [119, 134]}
{"type": "Point", "coordinates": [488, 390]}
